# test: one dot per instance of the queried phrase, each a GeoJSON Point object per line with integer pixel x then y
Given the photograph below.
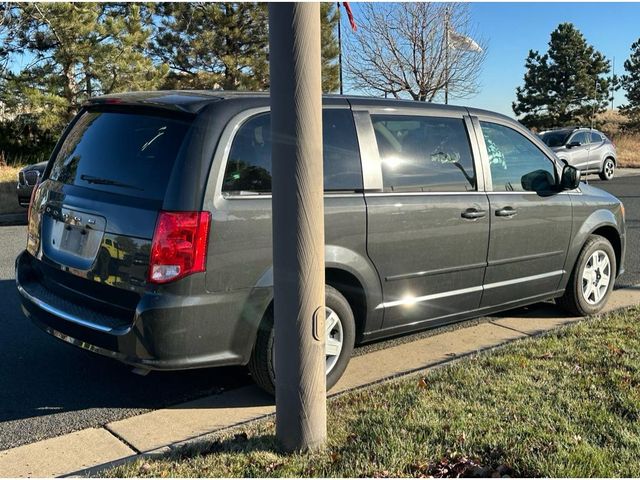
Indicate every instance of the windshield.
{"type": "Point", "coordinates": [121, 152]}
{"type": "Point", "coordinates": [555, 139]}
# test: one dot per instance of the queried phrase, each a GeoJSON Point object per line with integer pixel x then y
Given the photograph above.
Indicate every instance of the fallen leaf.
{"type": "Point", "coordinates": [422, 383]}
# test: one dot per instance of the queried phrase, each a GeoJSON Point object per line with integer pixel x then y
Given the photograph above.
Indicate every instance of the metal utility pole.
{"type": "Point", "coordinates": [613, 85]}
{"type": "Point", "coordinates": [298, 224]}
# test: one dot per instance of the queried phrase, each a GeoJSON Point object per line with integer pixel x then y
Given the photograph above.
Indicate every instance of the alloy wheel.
{"type": "Point", "coordinates": [334, 338]}
{"type": "Point", "coordinates": [596, 277]}
{"type": "Point", "coordinates": [608, 168]}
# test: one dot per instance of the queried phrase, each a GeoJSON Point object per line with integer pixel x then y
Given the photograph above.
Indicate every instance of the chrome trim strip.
{"type": "Point", "coordinates": [59, 313]}
{"type": "Point", "coordinates": [451, 293]}
{"type": "Point", "coordinates": [524, 258]}
{"type": "Point", "coordinates": [524, 279]}
{"type": "Point", "coordinates": [411, 194]}
{"type": "Point", "coordinates": [424, 298]}
{"type": "Point", "coordinates": [269, 196]}
{"type": "Point", "coordinates": [438, 271]}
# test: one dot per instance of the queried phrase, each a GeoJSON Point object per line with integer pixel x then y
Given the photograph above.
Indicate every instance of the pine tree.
{"type": "Point", "coordinates": [330, 49]}
{"type": "Point", "coordinates": [567, 85]}
{"type": "Point", "coordinates": [631, 83]}
{"type": "Point", "coordinates": [225, 45]}
{"type": "Point", "coordinates": [214, 45]}
{"type": "Point", "coordinates": [75, 51]}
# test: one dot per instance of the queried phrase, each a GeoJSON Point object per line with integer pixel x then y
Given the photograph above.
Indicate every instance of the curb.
{"type": "Point", "coordinates": [163, 431]}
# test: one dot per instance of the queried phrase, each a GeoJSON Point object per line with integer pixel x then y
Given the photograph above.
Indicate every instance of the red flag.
{"type": "Point", "coordinates": [354, 27]}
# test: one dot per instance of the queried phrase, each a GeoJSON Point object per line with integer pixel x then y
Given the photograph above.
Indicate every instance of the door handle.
{"type": "Point", "coordinates": [506, 212]}
{"type": "Point", "coordinates": [473, 213]}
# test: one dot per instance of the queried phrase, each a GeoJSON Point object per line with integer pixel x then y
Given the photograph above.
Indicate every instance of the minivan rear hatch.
{"type": "Point", "coordinates": [96, 211]}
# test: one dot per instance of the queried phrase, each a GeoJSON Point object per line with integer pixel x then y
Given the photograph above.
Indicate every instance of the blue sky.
{"type": "Point", "coordinates": [512, 29]}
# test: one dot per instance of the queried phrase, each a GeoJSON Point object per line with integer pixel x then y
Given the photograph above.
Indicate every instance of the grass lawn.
{"type": "Point", "coordinates": [9, 174]}
{"type": "Point", "coordinates": [628, 148]}
{"type": "Point", "coordinates": [566, 404]}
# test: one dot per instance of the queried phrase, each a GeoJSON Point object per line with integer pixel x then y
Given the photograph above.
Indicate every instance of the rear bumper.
{"type": "Point", "coordinates": [167, 332]}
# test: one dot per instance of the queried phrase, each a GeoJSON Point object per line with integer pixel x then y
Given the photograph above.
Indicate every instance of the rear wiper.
{"type": "Point", "coordinates": [106, 181]}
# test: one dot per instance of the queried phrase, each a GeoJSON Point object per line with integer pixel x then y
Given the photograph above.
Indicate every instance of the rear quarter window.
{"type": "Point", "coordinates": [248, 167]}
{"type": "Point", "coordinates": [121, 152]}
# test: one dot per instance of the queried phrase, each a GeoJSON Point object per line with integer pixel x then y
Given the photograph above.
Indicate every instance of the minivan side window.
{"type": "Point", "coordinates": [424, 154]}
{"type": "Point", "coordinates": [515, 162]}
{"type": "Point", "coordinates": [248, 167]}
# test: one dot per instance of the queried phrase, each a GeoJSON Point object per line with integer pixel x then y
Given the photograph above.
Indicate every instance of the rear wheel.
{"type": "Point", "coordinates": [592, 278]}
{"type": "Point", "coordinates": [339, 340]}
{"type": "Point", "coordinates": [608, 169]}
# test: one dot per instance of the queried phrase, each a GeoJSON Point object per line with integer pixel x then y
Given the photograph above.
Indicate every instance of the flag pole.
{"type": "Point", "coordinates": [340, 44]}
{"type": "Point", "coordinates": [446, 56]}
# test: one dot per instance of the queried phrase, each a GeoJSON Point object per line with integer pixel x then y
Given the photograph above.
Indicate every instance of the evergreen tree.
{"type": "Point", "coordinates": [225, 45]}
{"type": "Point", "coordinates": [330, 16]}
{"type": "Point", "coordinates": [74, 51]}
{"type": "Point", "coordinates": [631, 83]}
{"type": "Point", "coordinates": [214, 45]}
{"type": "Point", "coordinates": [567, 85]}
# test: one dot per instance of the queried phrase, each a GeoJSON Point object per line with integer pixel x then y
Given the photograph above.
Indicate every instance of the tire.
{"type": "Point", "coordinates": [261, 363]}
{"type": "Point", "coordinates": [582, 297]}
{"type": "Point", "coordinates": [608, 169]}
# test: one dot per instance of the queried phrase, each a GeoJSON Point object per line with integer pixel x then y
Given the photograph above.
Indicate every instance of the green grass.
{"type": "Point", "coordinates": [566, 404]}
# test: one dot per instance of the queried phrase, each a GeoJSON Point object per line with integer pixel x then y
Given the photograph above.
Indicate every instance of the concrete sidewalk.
{"type": "Point", "coordinates": [154, 432]}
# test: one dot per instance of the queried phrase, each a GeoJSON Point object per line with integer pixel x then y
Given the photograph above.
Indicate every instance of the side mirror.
{"type": "Point", "coordinates": [570, 178]}
{"type": "Point", "coordinates": [573, 144]}
{"type": "Point", "coordinates": [538, 181]}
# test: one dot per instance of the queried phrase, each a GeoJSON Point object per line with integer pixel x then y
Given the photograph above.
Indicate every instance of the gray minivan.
{"type": "Point", "coordinates": [149, 236]}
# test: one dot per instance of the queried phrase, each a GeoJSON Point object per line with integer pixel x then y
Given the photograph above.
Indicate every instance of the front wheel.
{"type": "Point", "coordinates": [340, 331]}
{"type": "Point", "coordinates": [592, 278]}
{"type": "Point", "coordinates": [608, 169]}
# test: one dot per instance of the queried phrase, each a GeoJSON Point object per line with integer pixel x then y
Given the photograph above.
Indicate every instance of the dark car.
{"type": "Point", "coordinates": [28, 177]}
{"type": "Point", "coordinates": [584, 148]}
{"type": "Point", "coordinates": [149, 238]}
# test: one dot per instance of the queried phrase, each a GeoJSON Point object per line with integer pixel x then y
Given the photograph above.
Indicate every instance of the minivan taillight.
{"type": "Point", "coordinates": [179, 246]}
{"type": "Point", "coordinates": [33, 195]}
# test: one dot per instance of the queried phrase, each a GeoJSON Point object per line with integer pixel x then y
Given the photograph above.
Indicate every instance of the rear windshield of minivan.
{"type": "Point", "coordinates": [121, 152]}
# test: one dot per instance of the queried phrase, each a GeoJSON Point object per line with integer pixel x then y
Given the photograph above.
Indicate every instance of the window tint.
{"type": "Point", "coordinates": [555, 139]}
{"type": "Point", "coordinates": [596, 137]}
{"type": "Point", "coordinates": [581, 137]}
{"type": "Point", "coordinates": [125, 153]}
{"type": "Point", "coordinates": [427, 154]}
{"type": "Point", "coordinates": [516, 163]}
{"type": "Point", "coordinates": [249, 164]}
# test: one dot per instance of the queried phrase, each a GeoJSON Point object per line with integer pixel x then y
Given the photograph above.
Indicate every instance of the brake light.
{"type": "Point", "coordinates": [179, 245]}
{"type": "Point", "coordinates": [33, 195]}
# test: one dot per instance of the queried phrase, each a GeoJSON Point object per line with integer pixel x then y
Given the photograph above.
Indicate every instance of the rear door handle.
{"type": "Point", "coordinates": [473, 213]}
{"type": "Point", "coordinates": [506, 212]}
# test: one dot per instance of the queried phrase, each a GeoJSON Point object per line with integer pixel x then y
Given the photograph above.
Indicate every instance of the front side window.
{"type": "Point", "coordinates": [516, 164]}
{"type": "Point", "coordinates": [248, 168]}
{"type": "Point", "coordinates": [581, 137]}
{"type": "Point", "coordinates": [555, 138]}
{"type": "Point", "coordinates": [424, 154]}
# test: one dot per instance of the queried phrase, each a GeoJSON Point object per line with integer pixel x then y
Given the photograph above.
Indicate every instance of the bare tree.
{"type": "Point", "coordinates": [415, 49]}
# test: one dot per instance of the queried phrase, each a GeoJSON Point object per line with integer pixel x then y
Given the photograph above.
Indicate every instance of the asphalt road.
{"type": "Point", "coordinates": [49, 388]}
